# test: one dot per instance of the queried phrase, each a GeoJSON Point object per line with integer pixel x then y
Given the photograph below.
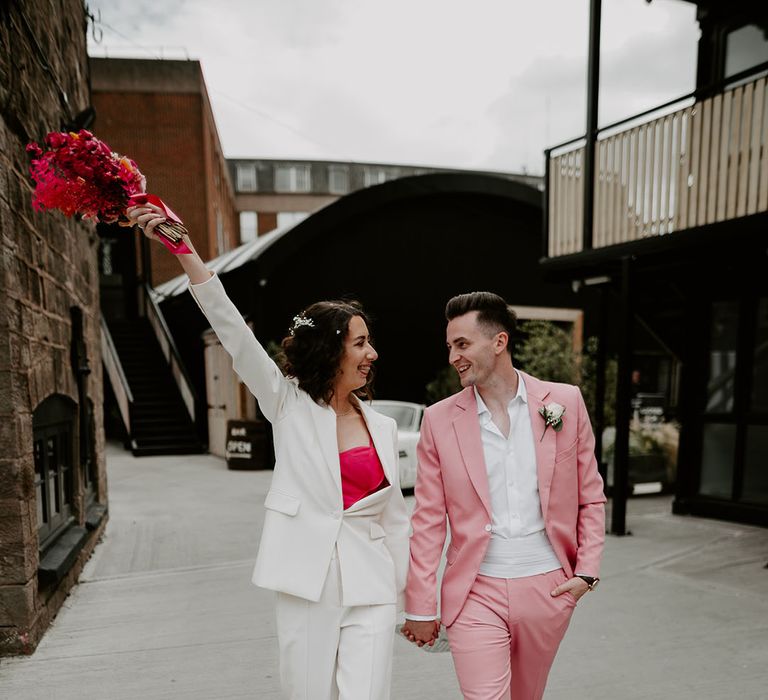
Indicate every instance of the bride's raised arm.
{"type": "Point", "coordinates": [249, 358]}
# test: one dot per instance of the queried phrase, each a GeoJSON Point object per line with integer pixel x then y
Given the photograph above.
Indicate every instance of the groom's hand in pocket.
{"type": "Point", "coordinates": [421, 632]}
{"type": "Point", "coordinates": [576, 586]}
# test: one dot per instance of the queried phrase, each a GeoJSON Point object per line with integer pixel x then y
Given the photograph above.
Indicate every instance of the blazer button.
{"type": "Point", "coordinates": [336, 514]}
{"type": "Point", "coordinates": [487, 528]}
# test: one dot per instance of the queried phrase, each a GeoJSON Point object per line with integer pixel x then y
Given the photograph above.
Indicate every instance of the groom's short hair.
{"type": "Point", "coordinates": [492, 312]}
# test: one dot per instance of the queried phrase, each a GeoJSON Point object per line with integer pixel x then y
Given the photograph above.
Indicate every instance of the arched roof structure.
{"type": "Point", "coordinates": [402, 248]}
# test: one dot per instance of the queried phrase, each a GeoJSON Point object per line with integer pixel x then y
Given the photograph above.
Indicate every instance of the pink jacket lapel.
{"type": "Point", "coordinates": [544, 441]}
{"type": "Point", "coordinates": [467, 427]}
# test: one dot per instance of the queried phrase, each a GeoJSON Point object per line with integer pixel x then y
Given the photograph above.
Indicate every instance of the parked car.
{"type": "Point", "coordinates": [408, 417]}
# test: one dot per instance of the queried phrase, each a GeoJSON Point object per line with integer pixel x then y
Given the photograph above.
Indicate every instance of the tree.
{"type": "Point", "coordinates": [445, 383]}
{"type": "Point", "coordinates": [546, 352]}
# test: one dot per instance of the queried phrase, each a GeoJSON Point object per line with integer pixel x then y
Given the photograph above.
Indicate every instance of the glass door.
{"type": "Point", "coordinates": [754, 486]}
{"type": "Point", "coordinates": [734, 455]}
{"type": "Point", "coordinates": [719, 430]}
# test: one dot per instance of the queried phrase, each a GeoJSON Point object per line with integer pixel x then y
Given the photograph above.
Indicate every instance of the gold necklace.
{"type": "Point", "coordinates": [341, 415]}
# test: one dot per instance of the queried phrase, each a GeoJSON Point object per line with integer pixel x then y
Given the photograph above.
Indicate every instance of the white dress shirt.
{"type": "Point", "coordinates": [519, 545]}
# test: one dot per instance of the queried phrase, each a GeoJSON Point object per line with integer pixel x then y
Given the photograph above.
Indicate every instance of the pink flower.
{"type": "Point", "coordinates": [79, 174]}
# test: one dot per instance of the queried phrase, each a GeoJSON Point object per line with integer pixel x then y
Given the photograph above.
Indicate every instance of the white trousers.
{"type": "Point", "coordinates": [330, 652]}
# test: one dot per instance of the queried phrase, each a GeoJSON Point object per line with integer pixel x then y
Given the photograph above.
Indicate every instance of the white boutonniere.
{"type": "Point", "coordinates": [552, 414]}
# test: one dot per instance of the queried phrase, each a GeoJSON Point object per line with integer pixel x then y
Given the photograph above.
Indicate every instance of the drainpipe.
{"type": "Point", "coordinates": [593, 91]}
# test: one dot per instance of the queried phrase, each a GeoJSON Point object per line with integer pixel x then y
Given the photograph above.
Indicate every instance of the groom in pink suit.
{"type": "Point", "coordinates": [510, 461]}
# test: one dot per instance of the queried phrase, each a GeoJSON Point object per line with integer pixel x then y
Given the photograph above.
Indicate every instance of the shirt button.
{"type": "Point", "coordinates": [487, 528]}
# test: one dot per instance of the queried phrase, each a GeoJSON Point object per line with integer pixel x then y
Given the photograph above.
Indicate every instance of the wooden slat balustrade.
{"type": "Point", "coordinates": [705, 163]}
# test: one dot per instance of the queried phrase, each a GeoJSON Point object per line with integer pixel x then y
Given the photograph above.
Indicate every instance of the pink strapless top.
{"type": "Point", "coordinates": [361, 473]}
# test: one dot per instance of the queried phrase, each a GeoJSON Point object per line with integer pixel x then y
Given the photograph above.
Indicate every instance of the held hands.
{"type": "Point", "coordinates": [421, 632]}
{"type": "Point", "coordinates": [576, 586]}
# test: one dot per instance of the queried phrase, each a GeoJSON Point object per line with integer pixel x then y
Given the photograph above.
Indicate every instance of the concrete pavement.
{"type": "Point", "coordinates": [165, 608]}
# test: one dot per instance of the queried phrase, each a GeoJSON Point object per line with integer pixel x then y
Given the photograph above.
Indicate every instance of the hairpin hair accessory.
{"type": "Point", "coordinates": [301, 320]}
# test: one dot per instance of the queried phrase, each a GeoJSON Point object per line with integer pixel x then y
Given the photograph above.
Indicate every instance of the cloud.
{"type": "Point", "coordinates": [546, 103]}
{"type": "Point", "coordinates": [431, 82]}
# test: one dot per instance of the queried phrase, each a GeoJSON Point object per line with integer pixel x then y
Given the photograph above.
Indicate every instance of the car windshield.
{"type": "Point", "coordinates": [404, 415]}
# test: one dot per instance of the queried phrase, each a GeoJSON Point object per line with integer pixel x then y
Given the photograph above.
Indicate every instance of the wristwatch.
{"type": "Point", "coordinates": [591, 581]}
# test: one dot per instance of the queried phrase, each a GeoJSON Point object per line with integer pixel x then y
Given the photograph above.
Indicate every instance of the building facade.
{"type": "Point", "coordinates": [668, 211]}
{"type": "Point", "coordinates": [53, 491]}
{"type": "Point", "coordinates": [159, 114]}
{"type": "Point", "coordinates": [275, 193]}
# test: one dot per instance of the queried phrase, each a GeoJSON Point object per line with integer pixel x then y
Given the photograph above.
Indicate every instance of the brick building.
{"type": "Point", "coordinates": [158, 113]}
{"type": "Point", "coordinates": [52, 473]}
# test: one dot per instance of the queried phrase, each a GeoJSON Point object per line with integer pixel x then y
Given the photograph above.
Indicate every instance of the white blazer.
{"type": "Point", "coordinates": [305, 520]}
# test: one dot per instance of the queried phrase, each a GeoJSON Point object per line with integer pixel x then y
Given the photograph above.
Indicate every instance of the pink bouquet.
{"type": "Point", "coordinates": [79, 174]}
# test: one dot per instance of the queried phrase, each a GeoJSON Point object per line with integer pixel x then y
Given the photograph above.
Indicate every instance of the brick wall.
{"type": "Point", "coordinates": [157, 112]}
{"type": "Point", "coordinates": [47, 264]}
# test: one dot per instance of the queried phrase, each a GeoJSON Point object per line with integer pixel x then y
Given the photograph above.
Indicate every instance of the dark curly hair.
{"type": "Point", "coordinates": [313, 353]}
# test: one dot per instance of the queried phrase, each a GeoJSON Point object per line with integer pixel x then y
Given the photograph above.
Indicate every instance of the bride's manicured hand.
{"type": "Point", "coordinates": [146, 217]}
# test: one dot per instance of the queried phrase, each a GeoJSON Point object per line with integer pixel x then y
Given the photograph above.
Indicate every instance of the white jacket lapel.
{"type": "Point", "coordinates": [324, 421]}
{"type": "Point", "coordinates": [381, 434]}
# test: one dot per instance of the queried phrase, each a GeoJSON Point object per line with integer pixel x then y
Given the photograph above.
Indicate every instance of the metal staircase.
{"type": "Point", "coordinates": [156, 400]}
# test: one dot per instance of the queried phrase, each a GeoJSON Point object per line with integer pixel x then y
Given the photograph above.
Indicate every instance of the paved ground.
{"type": "Point", "coordinates": [165, 608]}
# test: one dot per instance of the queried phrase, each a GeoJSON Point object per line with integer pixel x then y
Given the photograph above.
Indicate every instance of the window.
{"type": "Point", "coordinates": [755, 487]}
{"type": "Point", "coordinates": [106, 256]}
{"type": "Point", "coordinates": [246, 177]}
{"type": "Point", "coordinates": [221, 239]}
{"type": "Point", "coordinates": [90, 466]}
{"type": "Point", "coordinates": [722, 357]}
{"type": "Point", "coordinates": [759, 402]}
{"type": "Point", "coordinates": [745, 47]}
{"type": "Point", "coordinates": [293, 178]}
{"type": "Point", "coordinates": [249, 226]}
{"type": "Point", "coordinates": [717, 456]}
{"type": "Point", "coordinates": [53, 426]}
{"type": "Point", "coordinates": [375, 176]}
{"type": "Point", "coordinates": [338, 179]}
{"type": "Point", "coordinates": [290, 218]}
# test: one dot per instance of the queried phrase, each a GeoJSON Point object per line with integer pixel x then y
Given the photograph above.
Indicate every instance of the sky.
{"type": "Point", "coordinates": [486, 85]}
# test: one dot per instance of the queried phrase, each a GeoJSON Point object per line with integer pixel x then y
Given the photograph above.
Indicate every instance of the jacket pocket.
{"type": "Point", "coordinates": [282, 503]}
{"type": "Point", "coordinates": [377, 531]}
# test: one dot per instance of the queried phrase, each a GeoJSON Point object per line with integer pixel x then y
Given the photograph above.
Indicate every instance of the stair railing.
{"type": "Point", "coordinates": [116, 375]}
{"type": "Point", "coordinates": [171, 352]}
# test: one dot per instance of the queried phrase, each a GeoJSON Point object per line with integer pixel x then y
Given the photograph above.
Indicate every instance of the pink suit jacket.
{"type": "Point", "coordinates": [452, 480]}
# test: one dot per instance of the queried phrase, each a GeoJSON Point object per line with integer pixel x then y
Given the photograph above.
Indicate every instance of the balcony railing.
{"type": "Point", "coordinates": [704, 163]}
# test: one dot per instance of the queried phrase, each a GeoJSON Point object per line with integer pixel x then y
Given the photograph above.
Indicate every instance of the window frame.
{"type": "Point", "coordinates": [250, 169]}
{"type": "Point", "coordinates": [290, 178]}
{"type": "Point", "coordinates": [55, 420]}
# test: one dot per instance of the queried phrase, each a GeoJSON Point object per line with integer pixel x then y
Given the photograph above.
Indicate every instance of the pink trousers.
{"type": "Point", "coordinates": [507, 634]}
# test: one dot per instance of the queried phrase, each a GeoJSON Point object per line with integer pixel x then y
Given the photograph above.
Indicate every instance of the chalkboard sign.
{"type": "Point", "coordinates": [248, 445]}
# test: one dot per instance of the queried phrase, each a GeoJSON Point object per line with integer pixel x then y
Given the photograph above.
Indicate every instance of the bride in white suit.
{"type": "Point", "coordinates": [335, 538]}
